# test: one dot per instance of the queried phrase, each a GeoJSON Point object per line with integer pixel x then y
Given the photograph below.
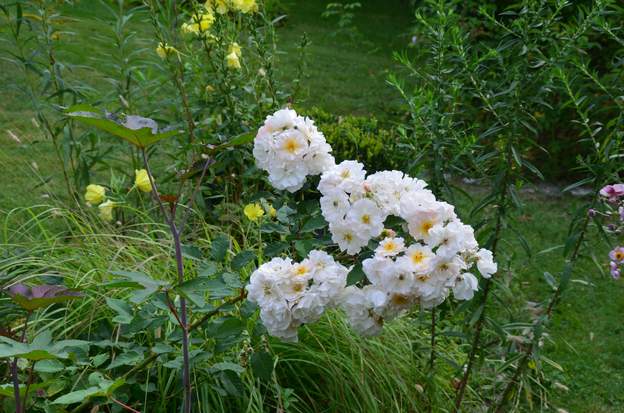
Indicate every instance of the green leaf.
{"type": "Point", "coordinates": [207, 269]}
{"type": "Point", "coordinates": [275, 249]}
{"type": "Point", "coordinates": [128, 358]}
{"type": "Point", "coordinates": [6, 390]}
{"type": "Point", "coordinates": [219, 247]}
{"type": "Point", "coordinates": [196, 289]}
{"type": "Point", "coordinates": [40, 349]}
{"type": "Point", "coordinates": [242, 139]}
{"type": "Point", "coordinates": [284, 213]}
{"type": "Point", "coordinates": [192, 252]}
{"type": "Point", "coordinates": [49, 366]}
{"type": "Point", "coordinates": [78, 396]}
{"type": "Point", "coordinates": [550, 280]}
{"type": "Point", "coordinates": [122, 308]}
{"type": "Point", "coordinates": [356, 274]}
{"type": "Point", "coordinates": [162, 348]}
{"type": "Point", "coordinates": [238, 369]}
{"type": "Point", "coordinates": [100, 359]}
{"type": "Point", "coordinates": [102, 388]}
{"type": "Point", "coordinates": [139, 281]}
{"type": "Point", "coordinates": [140, 137]}
{"type": "Point", "coordinates": [231, 383]}
{"type": "Point", "coordinates": [32, 304]}
{"type": "Point", "coordinates": [262, 365]}
{"type": "Point", "coordinates": [273, 227]}
{"type": "Point", "coordinates": [242, 258]}
{"type": "Point", "coordinates": [232, 280]}
{"type": "Point", "coordinates": [314, 223]}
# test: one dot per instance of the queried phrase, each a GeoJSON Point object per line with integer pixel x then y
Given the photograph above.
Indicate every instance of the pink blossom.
{"type": "Point", "coordinates": [615, 270]}
{"type": "Point", "coordinates": [612, 192]}
{"type": "Point", "coordinates": [617, 255]}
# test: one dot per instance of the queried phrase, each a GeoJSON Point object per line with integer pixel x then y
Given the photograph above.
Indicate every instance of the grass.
{"type": "Point", "coordinates": [347, 77]}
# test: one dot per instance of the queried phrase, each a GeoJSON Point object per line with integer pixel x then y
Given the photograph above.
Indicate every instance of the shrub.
{"type": "Point", "coordinates": [359, 137]}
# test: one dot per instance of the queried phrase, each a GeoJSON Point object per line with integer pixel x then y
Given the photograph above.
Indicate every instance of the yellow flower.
{"type": "Point", "coordinates": [106, 210]}
{"type": "Point", "coordinates": [163, 50]}
{"type": "Point", "coordinates": [95, 194]}
{"type": "Point", "coordinates": [253, 212]}
{"type": "Point", "coordinates": [232, 61]}
{"type": "Point", "coordinates": [245, 6]}
{"type": "Point", "coordinates": [220, 6]}
{"type": "Point", "coordinates": [199, 24]}
{"type": "Point", "coordinates": [236, 49]}
{"type": "Point", "coordinates": [272, 211]}
{"type": "Point", "coordinates": [142, 181]}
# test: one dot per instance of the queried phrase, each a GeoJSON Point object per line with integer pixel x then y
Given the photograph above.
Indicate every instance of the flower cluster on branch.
{"type": "Point", "coordinates": [436, 256]}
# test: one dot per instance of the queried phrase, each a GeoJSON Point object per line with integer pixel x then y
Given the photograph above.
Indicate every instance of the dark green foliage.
{"type": "Point", "coordinates": [359, 137]}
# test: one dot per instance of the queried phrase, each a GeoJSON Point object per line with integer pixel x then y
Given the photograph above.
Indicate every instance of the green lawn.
{"type": "Point", "coordinates": [349, 78]}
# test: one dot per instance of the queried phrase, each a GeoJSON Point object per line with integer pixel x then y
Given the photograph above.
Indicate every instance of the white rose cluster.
{"type": "Point", "coordinates": [290, 147]}
{"type": "Point", "coordinates": [434, 259]}
{"type": "Point", "coordinates": [291, 294]}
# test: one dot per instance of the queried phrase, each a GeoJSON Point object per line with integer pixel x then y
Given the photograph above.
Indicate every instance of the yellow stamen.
{"type": "Point", "coordinates": [417, 257]}
{"type": "Point", "coordinates": [291, 145]}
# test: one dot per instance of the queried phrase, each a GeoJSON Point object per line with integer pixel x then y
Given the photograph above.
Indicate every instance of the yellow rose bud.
{"type": "Point", "coordinates": [163, 50]}
{"type": "Point", "coordinates": [253, 212]}
{"type": "Point", "coordinates": [236, 49]}
{"type": "Point", "coordinates": [142, 181]}
{"type": "Point", "coordinates": [221, 6]}
{"type": "Point", "coordinates": [232, 61]}
{"type": "Point", "coordinates": [106, 210]}
{"type": "Point", "coordinates": [272, 211]}
{"type": "Point", "coordinates": [199, 23]}
{"type": "Point", "coordinates": [95, 194]}
{"type": "Point", "coordinates": [245, 6]}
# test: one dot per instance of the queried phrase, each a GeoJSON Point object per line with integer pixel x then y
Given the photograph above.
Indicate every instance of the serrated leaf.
{"type": "Point", "coordinates": [314, 223]}
{"type": "Point", "coordinates": [208, 269]}
{"type": "Point", "coordinates": [122, 308]}
{"type": "Point", "coordinates": [242, 258]}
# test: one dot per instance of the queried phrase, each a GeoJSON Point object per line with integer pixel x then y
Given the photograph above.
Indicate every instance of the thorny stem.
{"type": "Point", "coordinates": [192, 327]}
{"type": "Point", "coordinates": [170, 218]}
{"type": "Point", "coordinates": [16, 392]}
{"type": "Point", "coordinates": [14, 372]}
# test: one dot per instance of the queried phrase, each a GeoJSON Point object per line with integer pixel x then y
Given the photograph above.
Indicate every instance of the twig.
{"type": "Point", "coordinates": [125, 406]}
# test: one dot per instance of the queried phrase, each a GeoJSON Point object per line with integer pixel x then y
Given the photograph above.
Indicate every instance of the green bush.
{"type": "Point", "coordinates": [359, 137]}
